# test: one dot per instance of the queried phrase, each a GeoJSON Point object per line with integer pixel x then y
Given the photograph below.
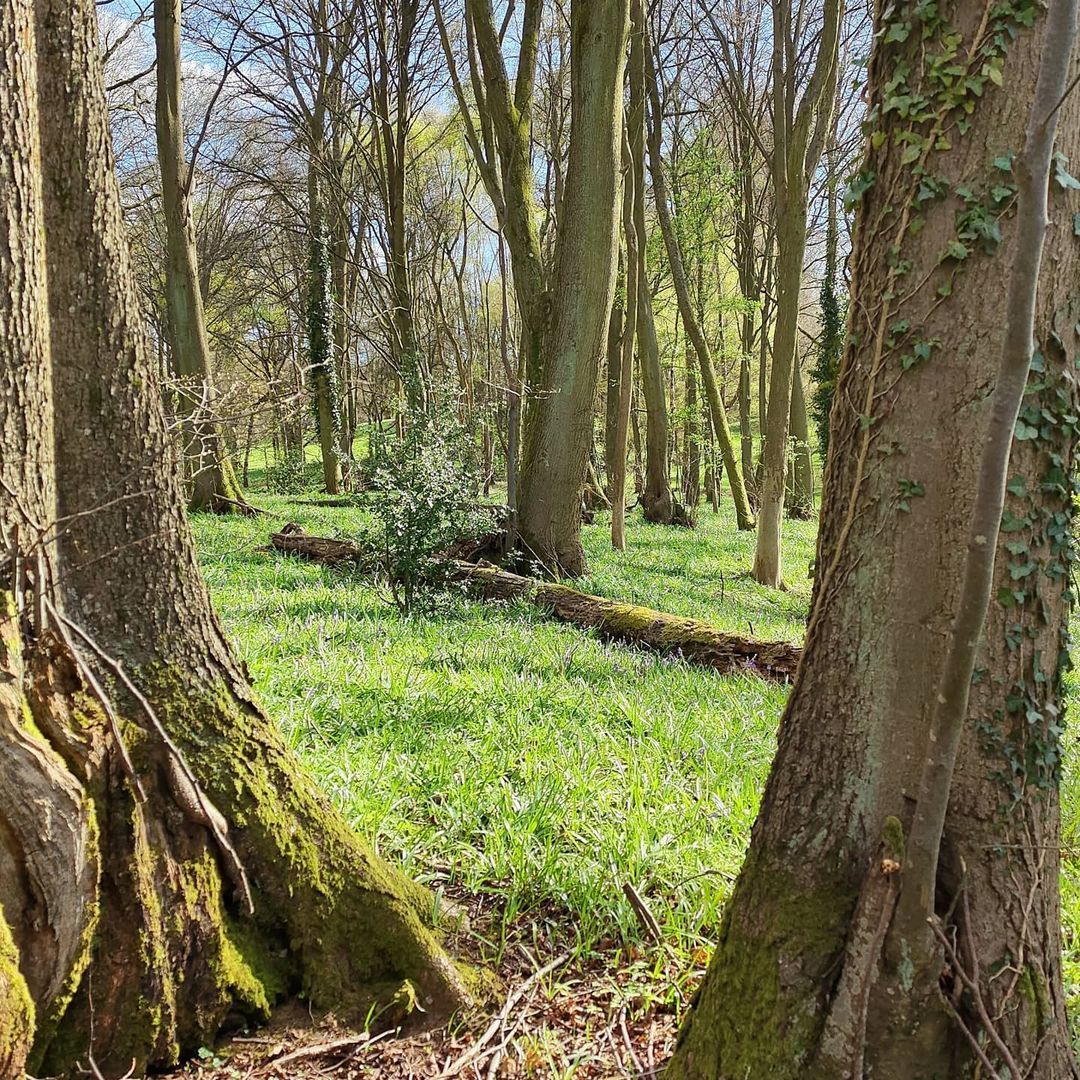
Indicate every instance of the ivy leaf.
{"type": "Point", "coordinates": [1064, 179]}
{"type": "Point", "coordinates": [956, 250]}
{"type": "Point", "coordinates": [1025, 432]}
{"type": "Point", "coordinates": [1017, 486]}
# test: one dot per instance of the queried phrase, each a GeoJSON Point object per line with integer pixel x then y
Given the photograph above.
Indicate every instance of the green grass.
{"type": "Point", "coordinates": [488, 746]}
{"type": "Point", "coordinates": [493, 749]}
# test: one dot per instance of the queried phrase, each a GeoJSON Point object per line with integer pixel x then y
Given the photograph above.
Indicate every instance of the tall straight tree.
{"type": "Point", "coordinates": [800, 127]}
{"type": "Point", "coordinates": [657, 499]}
{"type": "Point", "coordinates": [212, 479]}
{"type": "Point", "coordinates": [500, 141]}
{"type": "Point", "coordinates": [559, 437]}
{"type": "Point", "coordinates": [694, 331]}
{"type": "Point", "coordinates": [898, 912]}
{"type": "Point", "coordinates": [163, 860]}
{"type": "Point", "coordinates": [621, 355]}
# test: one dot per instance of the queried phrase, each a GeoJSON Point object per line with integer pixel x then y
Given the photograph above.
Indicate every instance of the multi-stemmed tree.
{"type": "Point", "coordinates": [163, 860]}
{"type": "Point", "coordinates": [898, 912]}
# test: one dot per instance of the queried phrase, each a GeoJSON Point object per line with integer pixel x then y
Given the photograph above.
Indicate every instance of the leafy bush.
{"type": "Point", "coordinates": [428, 486]}
{"type": "Point", "coordinates": [294, 476]}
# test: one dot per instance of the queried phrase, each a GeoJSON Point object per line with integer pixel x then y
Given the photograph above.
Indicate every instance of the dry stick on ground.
{"type": "Point", "coordinates": [495, 1026]}
{"type": "Point", "coordinates": [644, 915]}
{"type": "Point", "coordinates": [696, 642]}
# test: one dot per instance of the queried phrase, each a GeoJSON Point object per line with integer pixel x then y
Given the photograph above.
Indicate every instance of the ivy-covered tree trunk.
{"type": "Point", "coordinates": [559, 437]}
{"type": "Point", "coordinates": [800, 500]}
{"type": "Point", "coordinates": [809, 978]}
{"type": "Point", "coordinates": [833, 309]}
{"type": "Point", "coordinates": [164, 862]}
{"type": "Point", "coordinates": [322, 367]}
{"type": "Point", "coordinates": [213, 483]}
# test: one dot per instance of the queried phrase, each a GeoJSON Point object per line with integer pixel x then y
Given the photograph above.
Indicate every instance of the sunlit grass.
{"type": "Point", "coordinates": [498, 749]}
{"type": "Point", "coordinates": [493, 748]}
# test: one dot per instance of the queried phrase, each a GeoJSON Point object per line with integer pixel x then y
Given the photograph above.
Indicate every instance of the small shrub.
{"type": "Point", "coordinates": [294, 476]}
{"type": "Point", "coordinates": [428, 487]}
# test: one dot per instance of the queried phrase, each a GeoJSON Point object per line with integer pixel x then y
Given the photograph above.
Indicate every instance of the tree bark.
{"type": "Point", "coordinates": [557, 442]}
{"type": "Point", "coordinates": [213, 484]}
{"type": "Point", "coordinates": [322, 368]}
{"type": "Point", "coordinates": [180, 867]}
{"type": "Point", "coordinates": [808, 979]}
{"type": "Point", "coordinates": [692, 437]}
{"type": "Point", "coordinates": [657, 499]}
{"type": "Point", "coordinates": [801, 503]}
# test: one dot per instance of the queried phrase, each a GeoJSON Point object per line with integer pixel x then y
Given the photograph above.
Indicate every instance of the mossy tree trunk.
{"type": "Point", "coordinates": [809, 978]}
{"type": "Point", "coordinates": [213, 483]}
{"type": "Point", "coordinates": [800, 501]}
{"type": "Point", "coordinates": [172, 865]}
{"type": "Point", "coordinates": [558, 439]}
{"type": "Point", "coordinates": [48, 826]}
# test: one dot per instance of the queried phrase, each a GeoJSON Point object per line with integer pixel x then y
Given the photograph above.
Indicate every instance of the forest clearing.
{"type": "Point", "coordinates": [537, 539]}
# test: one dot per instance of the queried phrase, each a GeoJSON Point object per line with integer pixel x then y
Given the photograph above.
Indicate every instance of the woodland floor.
{"type": "Point", "coordinates": [529, 771]}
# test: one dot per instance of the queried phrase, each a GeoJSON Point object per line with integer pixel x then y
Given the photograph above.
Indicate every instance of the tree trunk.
{"type": "Point", "coordinates": [614, 371]}
{"type": "Point", "coordinates": [509, 111]}
{"type": "Point", "coordinates": [48, 827]}
{"type": "Point", "coordinates": [721, 429]}
{"type": "Point", "coordinates": [798, 133]}
{"type": "Point", "coordinates": [791, 246]}
{"type": "Point", "coordinates": [657, 499]}
{"type": "Point", "coordinates": [692, 640]}
{"type": "Point", "coordinates": [557, 443]}
{"type": "Point", "coordinates": [800, 505]}
{"type": "Point", "coordinates": [320, 319]}
{"type": "Point", "coordinates": [213, 484]}
{"type": "Point", "coordinates": [692, 437]}
{"type": "Point", "coordinates": [807, 980]}
{"type": "Point", "coordinates": [217, 878]}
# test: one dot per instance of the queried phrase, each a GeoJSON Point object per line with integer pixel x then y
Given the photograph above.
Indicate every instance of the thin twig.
{"type": "Point", "coordinates": [493, 1028]}
{"type": "Point", "coordinates": [103, 699]}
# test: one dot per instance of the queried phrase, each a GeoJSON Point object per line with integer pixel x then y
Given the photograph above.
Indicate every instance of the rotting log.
{"type": "Point", "coordinates": [326, 549]}
{"type": "Point", "coordinates": [691, 639]}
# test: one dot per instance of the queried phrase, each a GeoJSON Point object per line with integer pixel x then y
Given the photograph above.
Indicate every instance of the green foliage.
{"type": "Point", "coordinates": [428, 497]}
{"type": "Point", "coordinates": [293, 476]}
{"type": "Point", "coordinates": [826, 363]}
{"type": "Point", "coordinates": [489, 748]}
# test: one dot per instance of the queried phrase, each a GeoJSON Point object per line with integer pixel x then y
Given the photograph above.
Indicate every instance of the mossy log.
{"type": "Point", "coordinates": [695, 641]}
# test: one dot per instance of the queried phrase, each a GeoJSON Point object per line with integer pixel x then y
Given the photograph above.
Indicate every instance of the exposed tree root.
{"type": "Point", "coordinates": [695, 641]}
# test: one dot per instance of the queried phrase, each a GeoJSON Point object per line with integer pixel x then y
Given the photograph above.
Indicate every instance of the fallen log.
{"type": "Point", "coordinates": [694, 641]}
{"type": "Point", "coordinates": [325, 549]}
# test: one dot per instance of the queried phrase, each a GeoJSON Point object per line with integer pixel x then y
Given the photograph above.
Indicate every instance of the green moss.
{"type": "Point", "coordinates": [893, 834]}
{"type": "Point", "coordinates": [759, 1012]}
{"type": "Point", "coordinates": [346, 920]}
{"type": "Point", "coordinates": [1032, 985]}
{"type": "Point", "coordinates": [16, 1007]}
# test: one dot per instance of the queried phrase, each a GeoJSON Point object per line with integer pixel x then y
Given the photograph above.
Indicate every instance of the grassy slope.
{"type": "Point", "coordinates": [492, 748]}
